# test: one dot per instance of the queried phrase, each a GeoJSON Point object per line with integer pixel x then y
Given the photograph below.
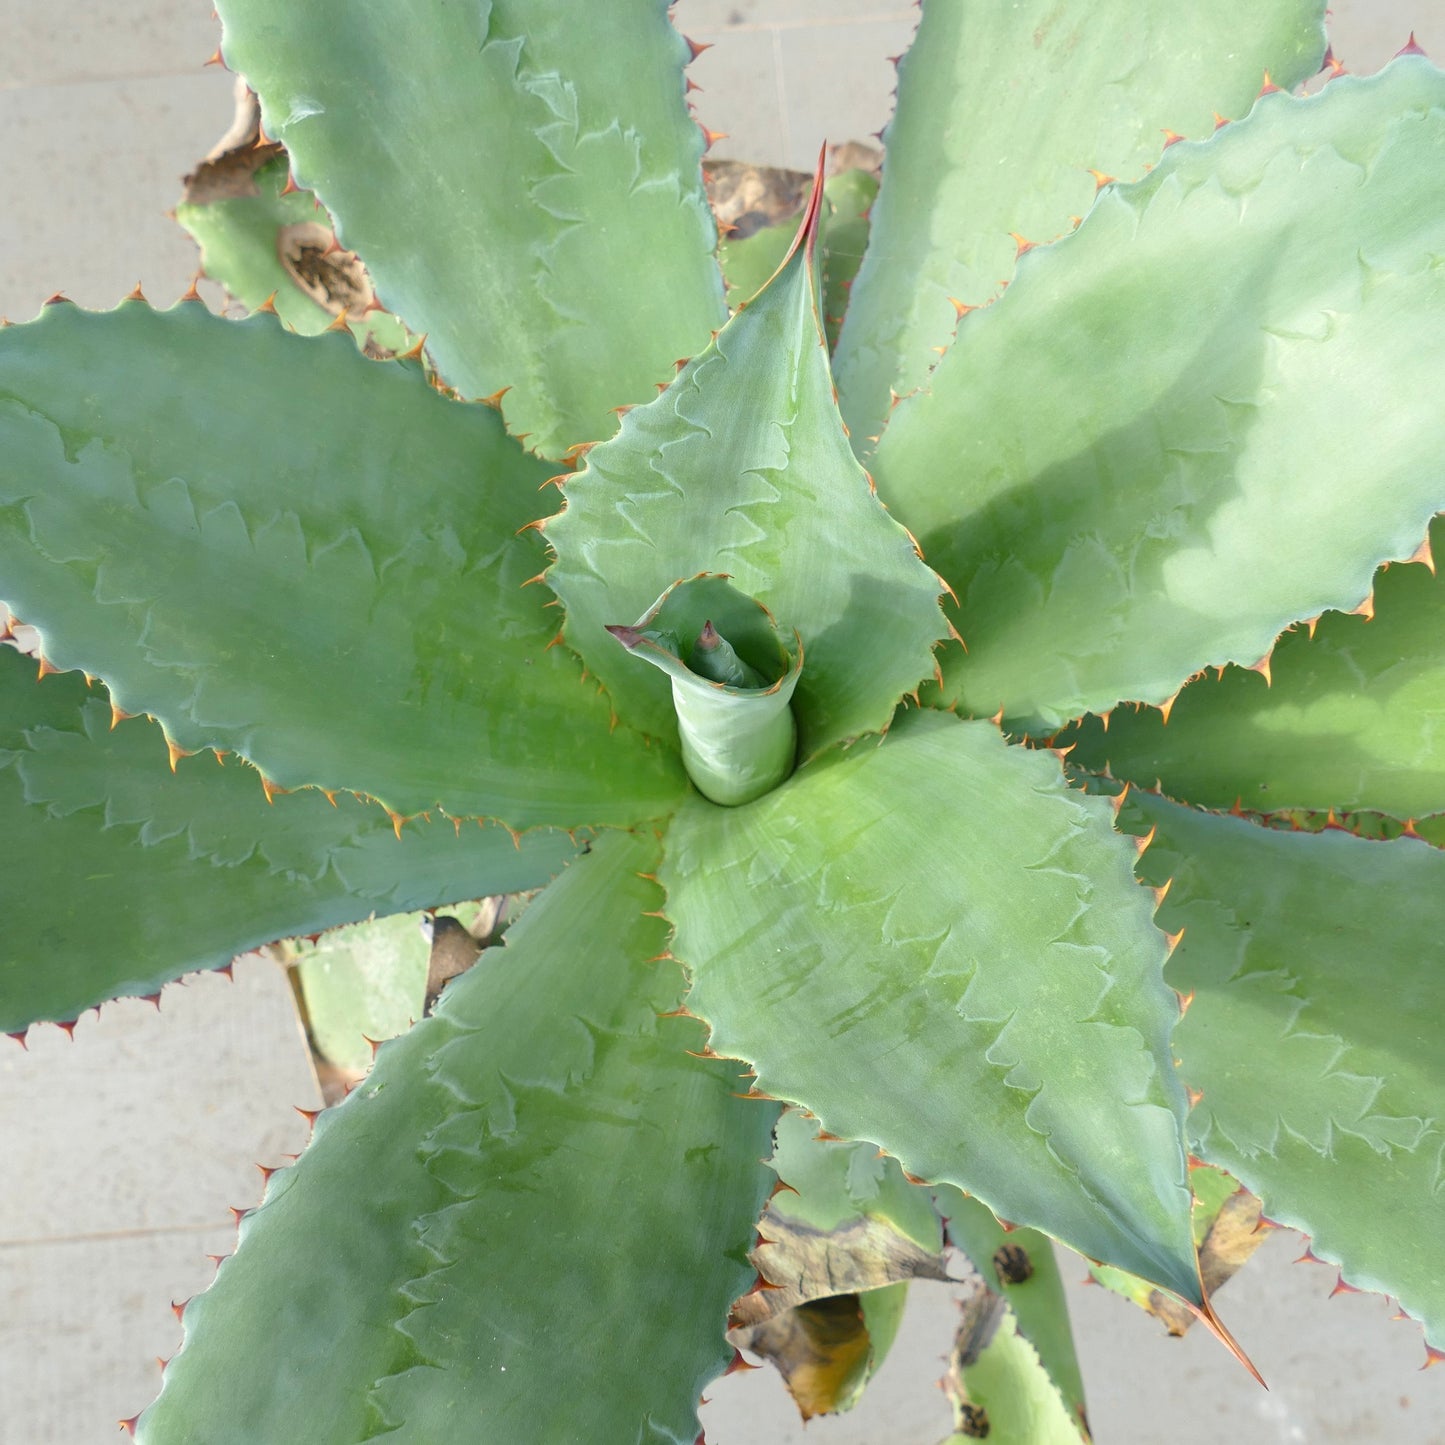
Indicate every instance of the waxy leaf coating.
{"type": "Point", "coordinates": [1207, 414]}
{"type": "Point", "coordinates": [463, 1192]}
{"type": "Point", "coordinates": [993, 1014]}
{"type": "Point", "coordinates": [406, 129]}
{"type": "Point", "coordinates": [282, 549]}
{"type": "Point", "coordinates": [742, 467]}
{"type": "Point", "coordinates": [1317, 976]}
{"type": "Point", "coordinates": [170, 873]}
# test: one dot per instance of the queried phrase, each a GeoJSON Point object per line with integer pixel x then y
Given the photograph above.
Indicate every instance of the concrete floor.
{"type": "Point", "coordinates": [125, 1149]}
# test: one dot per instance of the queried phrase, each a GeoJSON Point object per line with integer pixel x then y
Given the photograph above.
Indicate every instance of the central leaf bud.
{"type": "Point", "coordinates": [733, 673]}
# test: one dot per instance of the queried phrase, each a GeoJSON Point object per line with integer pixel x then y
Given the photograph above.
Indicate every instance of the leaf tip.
{"type": "Point", "coordinates": [1204, 1313]}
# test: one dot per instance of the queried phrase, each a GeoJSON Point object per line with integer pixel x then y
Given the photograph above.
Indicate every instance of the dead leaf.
{"type": "Point", "coordinates": [331, 277]}
{"type": "Point", "coordinates": [229, 170]}
{"type": "Point", "coordinates": [809, 1319]}
{"type": "Point", "coordinates": [1233, 1236]}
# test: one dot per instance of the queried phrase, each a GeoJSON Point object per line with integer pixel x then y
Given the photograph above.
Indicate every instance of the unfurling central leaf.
{"type": "Point", "coordinates": [733, 673]}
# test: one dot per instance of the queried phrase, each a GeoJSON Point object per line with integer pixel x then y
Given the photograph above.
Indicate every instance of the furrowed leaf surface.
{"type": "Point", "coordinates": [1318, 975]}
{"type": "Point", "coordinates": [282, 549]}
{"type": "Point", "coordinates": [993, 1014]}
{"type": "Point", "coordinates": [547, 1202]}
{"type": "Point", "coordinates": [741, 467]}
{"type": "Point", "coordinates": [1352, 718]}
{"type": "Point", "coordinates": [522, 182]}
{"type": "Point", "coordinates": [1166, 442]}
{"type": "Point", "coordinates": [1003, 111]}
{"type": "Point", "coordinates": [165, 874]}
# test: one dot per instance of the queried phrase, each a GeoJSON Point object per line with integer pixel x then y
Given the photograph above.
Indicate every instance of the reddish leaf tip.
{"type": "Point", "coordinates": [1205, 1314]}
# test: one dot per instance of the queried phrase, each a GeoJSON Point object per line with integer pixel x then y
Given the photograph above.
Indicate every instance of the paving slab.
{"type": "Point", "coordinates": [124, 1149]}
{"type": "Point", "coordinates": [740, 94]}
{"type": "Point", "coordinates": [84, 1324]}
{"type": "Point", "coordinates": [163, 1113]}
{"type": "Point", "coordinates": [89, 172]}
{"type": "Point", "coordinates": [43, 44]}
{"type": "Point", "coordinates": [839, 82]}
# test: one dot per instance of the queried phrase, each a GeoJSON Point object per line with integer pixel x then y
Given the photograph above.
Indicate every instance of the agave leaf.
{"type": "Point", "coordinates": [748, 262]}
{"type": "Point", "coordinates": [832, 1183]}
{"type": "Point", "coordinates": [1317, 978]}
{"type": "Point", "coordinates": [840, 1240]}
{"type": "Point", "coordinates": [1003, 112]}
{"type": "Point", "coordinates": [1137, 419]}
{"type": "Point", "coordinates": [304, 557]}
{"type": "Point", "coordinates": [261, 241]}
{"type": "Point", "coordinates": [594, 269]}
{"type": "Point", "coordinates": [758, 210]}
{"type": "Point", "coordinates": [365, 983]}
{"type": "Point", "coordinates": [166, 874]}
{"type": "Point", "coordinates": [543, 1106]}
{"type": "Point", "coordinates": [741, 467]}
{"type": "Point", "coordinates": [850, 196]}
{"type": "Point", "coordinates": [1352, 716]}
{"type": "Point", "coordinates": [733, 703]}
{"type": "Point", "coordinates": [1227, 1231]}
{"type": "Point", "coordinates": [999, 1387]}
{"type": "Point", "coordinates": [1018, 1267]}
{"type": "Point", "coordinates": [993, 1014]}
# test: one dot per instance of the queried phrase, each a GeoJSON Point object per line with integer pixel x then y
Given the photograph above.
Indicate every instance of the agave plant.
{"type": "Point", "coordinates": [772, 681]}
